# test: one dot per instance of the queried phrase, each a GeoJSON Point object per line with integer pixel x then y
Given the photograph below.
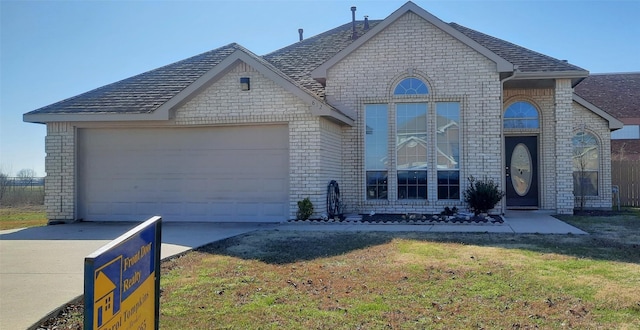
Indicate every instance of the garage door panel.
{"type": "Point", "coordinates": [187, 174]}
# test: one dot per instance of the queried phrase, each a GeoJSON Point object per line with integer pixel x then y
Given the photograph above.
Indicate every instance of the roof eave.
{"type": "Point", "coordinates": [43, 118]}
{"type": "Point", "coordinates": [614, 123]}
{"type": "Point", "coordinates": [572, 74]}
{"type": "Point", "coordinates": [502, 65]}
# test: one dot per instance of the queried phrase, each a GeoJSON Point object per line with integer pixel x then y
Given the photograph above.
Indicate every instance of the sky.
{"type": "Point", "coordinates": [53, 50]}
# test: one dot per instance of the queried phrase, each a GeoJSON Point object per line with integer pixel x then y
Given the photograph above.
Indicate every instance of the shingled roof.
{"type": "Point", "coordinates": [146, 92]}
{"type": "Point", "coordinates": [299, 59]}
{"type": "Point", "coordinates": [616, 93]}
{"type": "Point", "coordinates": [526, 59]}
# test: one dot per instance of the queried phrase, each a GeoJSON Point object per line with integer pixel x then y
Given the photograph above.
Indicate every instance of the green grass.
{"type": "Point", "coordinates": [336, 280]}
{"type": "Point", "coordinates": [21, 217]}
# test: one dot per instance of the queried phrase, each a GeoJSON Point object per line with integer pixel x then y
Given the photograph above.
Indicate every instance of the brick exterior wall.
{"type": "Point", "coordinates": [60, 165]}
{"type": "Point", "coordinates": [413, 47]}
{"type": "Point", "coordinates": [564, 146]}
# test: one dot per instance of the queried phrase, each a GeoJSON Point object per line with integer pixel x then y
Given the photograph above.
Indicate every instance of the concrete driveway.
{"type": "Point", "coordinates": [42, 268]}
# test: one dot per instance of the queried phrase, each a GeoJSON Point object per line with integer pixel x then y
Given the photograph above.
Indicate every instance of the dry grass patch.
{"type": "Point", "coordinates": [398, 281]}
{"type": "Point", "coordinates": [22, 217]}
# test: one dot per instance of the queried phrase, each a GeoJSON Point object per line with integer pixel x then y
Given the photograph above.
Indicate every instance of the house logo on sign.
{"type": "Point", "coordinates": [106, 292]}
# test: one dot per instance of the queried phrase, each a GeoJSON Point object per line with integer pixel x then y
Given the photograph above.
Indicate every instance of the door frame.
{"type": "Point", "coordinates": [537, 163]}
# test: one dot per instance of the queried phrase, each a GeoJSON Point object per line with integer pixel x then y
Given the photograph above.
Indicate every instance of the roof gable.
{"type": "Point", "coordinates": [502, 65]}
{"type": "Point", "coordinates": [153, 95]}
{"type": "Point", "coordinates": [614, 123]}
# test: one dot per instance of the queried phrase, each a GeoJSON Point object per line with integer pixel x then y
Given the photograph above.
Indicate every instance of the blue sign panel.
{"type": "Point", "coordinates": [122, 280]}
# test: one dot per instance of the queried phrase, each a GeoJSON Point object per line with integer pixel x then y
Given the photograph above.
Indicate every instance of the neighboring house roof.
{"type": "Point", "coordinates": [153, 94]}
{"type": "Point", "coordinates": [625, 149]}
{"type": "Point", "coordinates": [616, 93]}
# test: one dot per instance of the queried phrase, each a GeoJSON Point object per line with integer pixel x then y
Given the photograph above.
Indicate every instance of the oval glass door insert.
{"type": "Point", "coordinates": [521, 169]}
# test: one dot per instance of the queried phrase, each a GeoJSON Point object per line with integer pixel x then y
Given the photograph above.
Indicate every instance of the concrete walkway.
{"type": "Point", "coordinates": [42, 268]}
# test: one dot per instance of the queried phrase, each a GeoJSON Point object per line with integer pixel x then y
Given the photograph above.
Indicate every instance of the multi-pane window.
{"type": "Point", "coordinates": [448, 149]}
{"type": "Point", "coordinates": [411, 86]}
{"type": "Point", "coordinates": [585, 164]}
{"type": "Point", "coordinates": [417, 146]}
{"type": "Point", "coordinates": [411, 150]}
{"type": "Point", "coordinates": [521, 115]}
{"type": "Point", "coordinates": [376, 150]}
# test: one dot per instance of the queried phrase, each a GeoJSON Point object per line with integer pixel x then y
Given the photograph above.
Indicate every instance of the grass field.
{"type": "Point", "coordinates": [22, 216]}
{"type": "Point", "coordinates": [337, 280]}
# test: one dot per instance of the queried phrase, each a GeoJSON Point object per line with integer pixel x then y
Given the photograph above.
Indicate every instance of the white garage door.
{"type": "Point", "coordinates": [221, 174]}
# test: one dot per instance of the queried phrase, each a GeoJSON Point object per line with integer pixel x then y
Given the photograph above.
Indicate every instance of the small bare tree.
{"type": "Point", "coordinates": [26, 176]}
{"type": "Point", "coordinates": [584, 147]}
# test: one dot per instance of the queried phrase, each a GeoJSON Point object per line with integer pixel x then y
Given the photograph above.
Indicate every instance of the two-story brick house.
{"type": "Point", "coordinates": [399, 111]}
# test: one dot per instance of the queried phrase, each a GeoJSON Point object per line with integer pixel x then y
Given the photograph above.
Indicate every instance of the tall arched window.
{"type": "Point", "coordinates": [521, 114]}
{"type": "Point", "coordinates": [411, 86]}
{"type": "Point", "coordinates": [585, 164]}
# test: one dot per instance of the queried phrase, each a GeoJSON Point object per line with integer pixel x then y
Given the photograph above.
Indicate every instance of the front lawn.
{"type": "Point", "coordinates": [333, 280]}
{"type": "Point", "coordinates": [376, 280]}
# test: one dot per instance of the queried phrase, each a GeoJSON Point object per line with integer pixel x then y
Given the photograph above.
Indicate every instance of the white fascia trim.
{"type": "Point", "coordinates": [552, 75]}
{"type": "Point", "coordinates": [76, 117]}
{"type": "Point", "coordinates": [614, 123]}
{"type": "Point", "coordinates": [502, 65]}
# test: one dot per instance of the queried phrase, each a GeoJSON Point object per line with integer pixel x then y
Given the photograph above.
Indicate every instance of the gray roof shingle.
{"type": "Point", "coordinates": [526, 59]}
{"type": "Point", "coordinates": [616, 93]}
{"type": "Point", "coordinates": [299, 59]}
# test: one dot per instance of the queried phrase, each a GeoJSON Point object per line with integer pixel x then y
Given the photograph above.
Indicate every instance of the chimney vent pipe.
{"type": "Point", "coordinates": [300, 33]}
{"type": "Point", "coordinates": [366, 22]}
{"type": "Point", "coordinates": [354, 34]}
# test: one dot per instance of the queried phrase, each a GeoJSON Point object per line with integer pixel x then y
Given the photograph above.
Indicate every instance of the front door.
{"type": "Point", "coordinates": [521, 169]}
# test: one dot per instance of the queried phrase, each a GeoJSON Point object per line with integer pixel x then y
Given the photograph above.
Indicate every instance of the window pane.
{"type": "Point", "coordinates": [412, 184]}
{"type": "Point", "coordinates": [521, 115]}
{"type": "Point", "coordinates": [376, 137]}
{"type": "Point", "coordinates": [585, 164]}
{"type": "Point", "coordinates": [585, 152]}
{"type": "Point", "coordinates": [448, 185]}
{"type": "Point", "coordinates": [411, 86]}
{"type": "Point", "coordinates": [585, 184]}
{"type": "Point", "coordinates": [448, 135]}
{"type": "Point", "coordinates": [376, 185]}
{"type": "Point", "coordinates": [411, 136]}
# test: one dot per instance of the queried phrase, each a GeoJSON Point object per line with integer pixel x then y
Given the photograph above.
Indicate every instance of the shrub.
{"type": "Point", "coordinates": [305, 209]}
{"type": "Point", "coordinates": [482, 196]}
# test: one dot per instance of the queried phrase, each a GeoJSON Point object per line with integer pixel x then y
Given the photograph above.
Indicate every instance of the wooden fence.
{"type": "Point", "coordinates": [626, 175]}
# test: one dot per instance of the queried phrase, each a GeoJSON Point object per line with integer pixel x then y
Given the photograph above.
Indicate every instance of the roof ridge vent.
{"type": "Point", "coordinates": [354, 34]}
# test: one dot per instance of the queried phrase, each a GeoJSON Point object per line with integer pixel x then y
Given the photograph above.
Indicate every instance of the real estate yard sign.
{"type": "Point", "coordinates": [122, 281]}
